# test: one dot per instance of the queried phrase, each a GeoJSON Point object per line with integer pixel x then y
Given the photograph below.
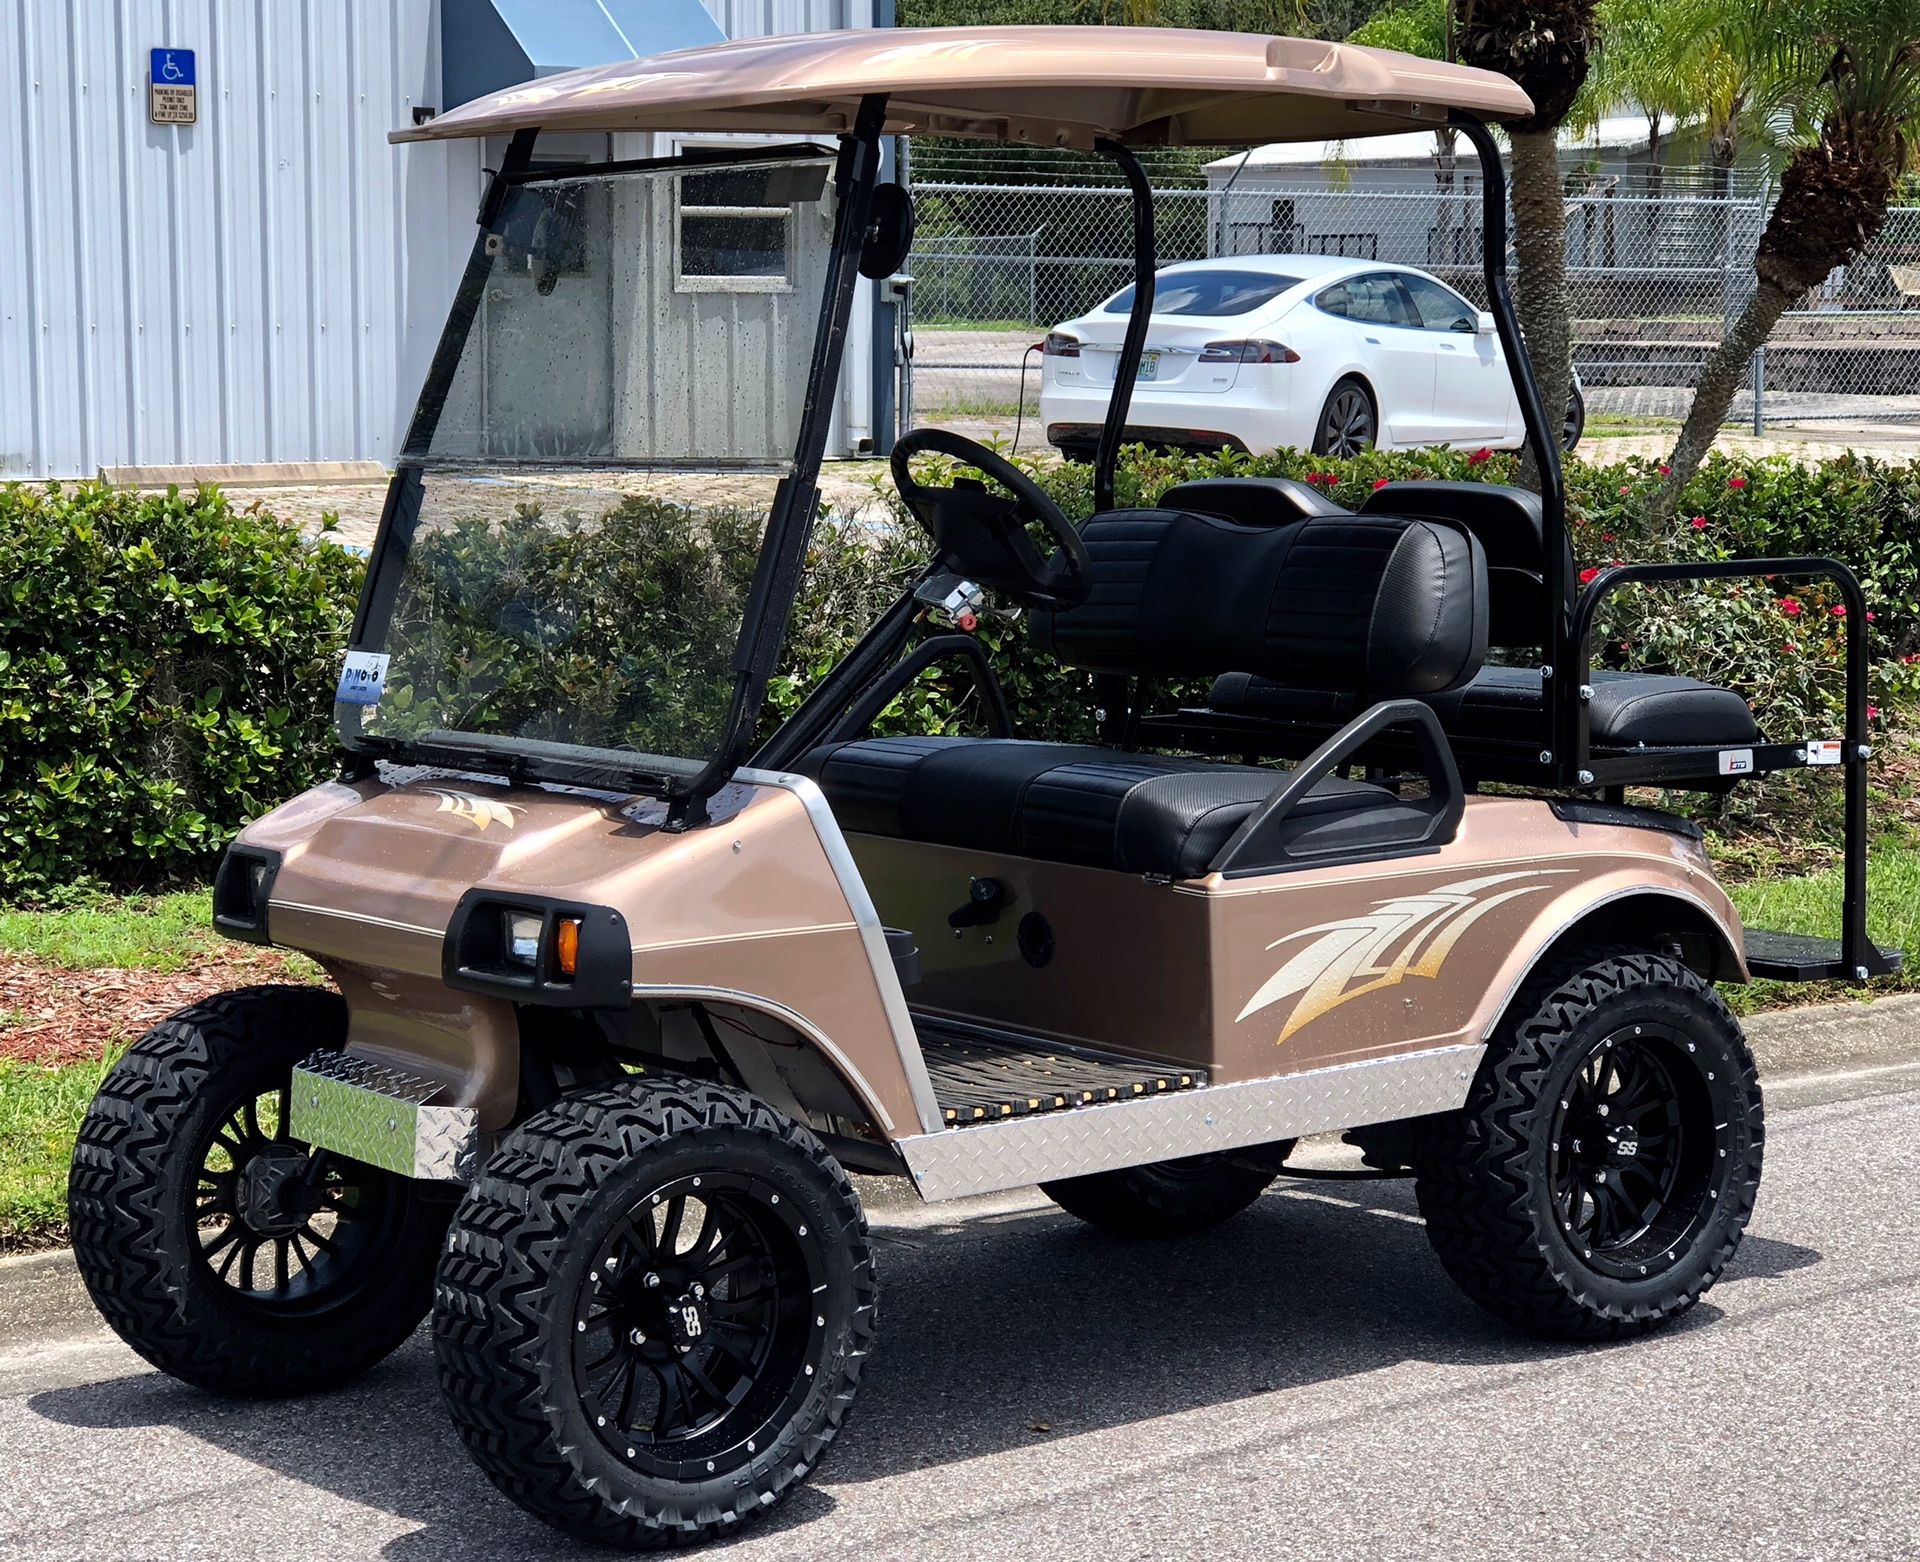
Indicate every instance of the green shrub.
{"type": "Point", "coordinates": [167, 663]}
{"type": "Point", "coordinates": [166, 672]}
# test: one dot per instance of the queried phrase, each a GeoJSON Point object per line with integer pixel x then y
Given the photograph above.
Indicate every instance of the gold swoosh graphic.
{"type": "Point", "coordinates": [1350, 958]}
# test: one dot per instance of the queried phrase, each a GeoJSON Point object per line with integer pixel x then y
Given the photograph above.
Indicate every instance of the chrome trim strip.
{"type": "Point", "coordinates": [1671, 892]}
{"type": "Point", "coordinates": [872, 934]}
{"type": "Point", "coordinates": [781, 1012]}
{"type": "Point", "coordinates": [357, 917]}
{"type": "Point", "coordinates": [1013, 1153]}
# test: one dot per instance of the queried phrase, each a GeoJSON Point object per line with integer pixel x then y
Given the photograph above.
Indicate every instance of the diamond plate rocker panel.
{"type": "Point", "coordinates": [369, 1112]}
{"type": "Point", "coordinates": [1025, 1150]}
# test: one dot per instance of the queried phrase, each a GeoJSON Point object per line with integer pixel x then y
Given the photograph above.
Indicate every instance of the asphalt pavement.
{"type": "Point", "coordinates": [1302, 1383]}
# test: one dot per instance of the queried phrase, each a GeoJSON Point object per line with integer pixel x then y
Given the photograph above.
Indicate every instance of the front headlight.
{"type": "Point", "coordinates": [521, 937]}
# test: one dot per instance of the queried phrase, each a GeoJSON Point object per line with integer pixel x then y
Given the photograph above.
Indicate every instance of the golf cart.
{"type": "Point", "coordinates": [629, 978]}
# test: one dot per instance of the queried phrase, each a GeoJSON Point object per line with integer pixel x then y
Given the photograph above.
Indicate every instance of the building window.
{"type": "Point", "coordinates": [733, 233]}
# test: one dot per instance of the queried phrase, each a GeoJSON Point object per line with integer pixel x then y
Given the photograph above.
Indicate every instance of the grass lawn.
{"type": "Point", "coordinates": [1810, 904]}
{"type": "Point", "coordinates": [40, 1112]}
{"type": "Point", "coordinates": [145, 932]}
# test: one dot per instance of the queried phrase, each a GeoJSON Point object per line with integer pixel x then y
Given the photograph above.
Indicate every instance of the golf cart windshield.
{"type": "Point", "coordinates": [565, 568]}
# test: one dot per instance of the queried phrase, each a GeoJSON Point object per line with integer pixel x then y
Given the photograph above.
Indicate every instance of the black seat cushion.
{"type": "Point", "coordinates": [1139, 813]}
{"type": "Point", "coordinates": [1251, 501]}
{"type": "Point", "coordinates": [1628, 710]}
{"type": "Point", "coordinates": [1369, 603]}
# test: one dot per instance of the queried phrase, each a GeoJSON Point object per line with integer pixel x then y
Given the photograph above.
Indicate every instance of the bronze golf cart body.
{"type": "Point", "coordinates": [603, 942]}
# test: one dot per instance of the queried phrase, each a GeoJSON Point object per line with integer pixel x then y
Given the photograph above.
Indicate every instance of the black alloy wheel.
{"type": "Point", "coordinates": [1635, 1165]}
{"type": "Point", "coordinates": [219, 1247]}
{"type": "Point", "coordinates": [1348, 422]}
{"type": "Point", "coordinates": [1602, 1172]}
{"type": "Point", "coordinates": [692, 1331]}
{"type": "Point", "coordinates": [653, 1312]}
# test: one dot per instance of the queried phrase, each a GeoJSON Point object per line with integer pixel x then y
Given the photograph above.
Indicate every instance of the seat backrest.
{"type": "Point", "coordinates": [1510, 528]}
{"type": "Point", "coordinates": [1379, 605]}
{"type": "Point", "coordinates": [1252, 501]}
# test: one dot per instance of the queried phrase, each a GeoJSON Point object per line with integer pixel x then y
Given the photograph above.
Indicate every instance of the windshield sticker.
{"type": "Point", "coordinates": [476, 811]}
{"type": "Point", "coordinates": [363, 678]}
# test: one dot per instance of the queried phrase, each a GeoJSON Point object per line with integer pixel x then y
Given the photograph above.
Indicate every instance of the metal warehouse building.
{"type": "Point", "coordinates": [264, 283]}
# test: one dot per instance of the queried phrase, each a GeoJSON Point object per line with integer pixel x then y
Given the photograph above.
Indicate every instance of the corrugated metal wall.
{"type": "Point", "coordinates": [265, 285]}
{"type": "Point", "coordinates": [244, 289]}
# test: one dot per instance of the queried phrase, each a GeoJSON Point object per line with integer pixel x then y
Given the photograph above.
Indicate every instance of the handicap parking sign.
{"type": "Point", "coordinates": [173, 94]}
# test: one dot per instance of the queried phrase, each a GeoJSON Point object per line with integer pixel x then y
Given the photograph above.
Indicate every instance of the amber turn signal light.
{"type": "Point", "coordinates": [566, 945]}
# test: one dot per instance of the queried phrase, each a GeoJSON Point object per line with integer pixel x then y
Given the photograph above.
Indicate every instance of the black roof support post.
{"type": "Point", "coordinates": [1144, 265]}
{"type": "Point", "coordinates": [1565, 712]}
{"type": "Point", "coordinates": [790, 521]}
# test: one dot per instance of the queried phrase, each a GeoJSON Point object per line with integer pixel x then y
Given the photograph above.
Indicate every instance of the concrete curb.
{"type": "Point", "coordinates": [1833, 1036]}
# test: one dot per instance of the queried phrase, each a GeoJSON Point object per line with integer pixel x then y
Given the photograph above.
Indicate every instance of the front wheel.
{"type": "Point", "coordinates": [1604, 1167]}
{"type": "Point", "coordinates": [227, 1253]}
{"type": "Point", "coordinates": [654, 1310]}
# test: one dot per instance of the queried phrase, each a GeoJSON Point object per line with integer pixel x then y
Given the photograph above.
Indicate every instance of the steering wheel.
{"type": "Point", "coordinates": [982, 535]}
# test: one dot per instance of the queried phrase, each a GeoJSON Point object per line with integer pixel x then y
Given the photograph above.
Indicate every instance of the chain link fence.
{"type": "Point", "coordinates": [1659, 261]}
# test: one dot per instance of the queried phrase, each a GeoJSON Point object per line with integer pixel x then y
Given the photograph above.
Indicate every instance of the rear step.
{"type": "Point", "coordinates": [981, 1075]}
{"type": "Point", "coordinates": [1793, 957]}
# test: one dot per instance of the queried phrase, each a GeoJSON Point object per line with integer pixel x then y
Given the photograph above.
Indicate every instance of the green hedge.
{"type": "Point", "coordinates": [167, 662]}
{"type": "Point", "coordinates": [166, 673]}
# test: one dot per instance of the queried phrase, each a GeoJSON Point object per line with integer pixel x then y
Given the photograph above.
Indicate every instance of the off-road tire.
{"type": "Point", "coordinates": [517, 1259]}
{"type": "Point", "coordinates": [1169, 1198]}
{"type": "Point", "coordinates": [1485, 1173]}
{"type": "Point", "coordinates": [131, 1199]}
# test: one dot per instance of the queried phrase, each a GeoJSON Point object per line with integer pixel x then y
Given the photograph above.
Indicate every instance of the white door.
{"type": "Point", "coordinates": [1472, 394]}
{"type": "Point", "coordinates": [1399, 355]}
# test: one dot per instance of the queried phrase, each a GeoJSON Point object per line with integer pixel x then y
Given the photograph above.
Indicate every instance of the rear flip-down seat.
{"type": "Point", "coordinates": [1502, 705]}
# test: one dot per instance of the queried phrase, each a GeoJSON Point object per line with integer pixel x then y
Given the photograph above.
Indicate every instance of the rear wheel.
{"type": "Point", "coordinates": [1603, 1170]}
{"type": "Point", "coordinates": [1170, 1198]}
{"type": "Point", "coordinates": [1349, 422]}
{"type": "Point", "coordinates": [654, 1310]}
{"type": "Point", "coordinates": [221, 1249]}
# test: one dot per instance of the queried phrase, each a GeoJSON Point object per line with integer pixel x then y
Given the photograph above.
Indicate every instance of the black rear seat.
{"type": "Point", "coordinates": [1370, 606]}
{"type": "Point", "coordinates": [1502, 705]}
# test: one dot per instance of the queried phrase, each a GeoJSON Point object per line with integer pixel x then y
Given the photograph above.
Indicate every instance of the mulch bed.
{"type": "Point", "coordinates": [50, 1015]}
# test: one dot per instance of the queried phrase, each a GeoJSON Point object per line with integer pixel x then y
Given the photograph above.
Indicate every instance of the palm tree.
{"type": "Point", "coordinates": [1850, 72]}
{"type": "Point", "coordinates": [1548, 47]}
{"type": "Point", "coordinates": [1654, 64]}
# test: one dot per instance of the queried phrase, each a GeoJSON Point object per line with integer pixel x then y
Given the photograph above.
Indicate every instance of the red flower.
{"type": "Point", "coordinates": [1587, 576]}
{"type": "Point", "coordinates": [1322, 477]}
{"type": "Point", "coordinates": [1840, 611]}
{"type": "Point", "coordinates": [1790, 606]}
{"type": "Point", "coordinates": [1869, 615]}
{"type": "Point", "coordinates": [1908, 661]}
{"type": "Point", "coordinates": [1626, 488]}
{"type": "Point", "coordinates": [1736, 482]}
{"type": "Point", "coordinates": [1380, 483]}
{"type": "Point", "coordinates": [1481, 456]}
{"type": "Point", "coordinates": [1606, 536]}
{"type": "Point", "coordinates": [1873, 713]}
{"type": "Point", "coordinates": [1665, 470]}
{"type": "Point", "coordinates": [1791, 646]}
{"type": "Point", "coordinates": [1699, 523]}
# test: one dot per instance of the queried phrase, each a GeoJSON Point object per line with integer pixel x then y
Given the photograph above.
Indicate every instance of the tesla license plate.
{"type": "Point", "coordinates": [1149, 367]}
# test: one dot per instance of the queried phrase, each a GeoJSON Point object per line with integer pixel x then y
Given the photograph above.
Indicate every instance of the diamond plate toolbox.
{"type": "Point", "coordinates": [383, 1116]}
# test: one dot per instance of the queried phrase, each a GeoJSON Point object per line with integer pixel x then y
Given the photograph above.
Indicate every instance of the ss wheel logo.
{"type": "Point", "coordinates": [690, 1321]}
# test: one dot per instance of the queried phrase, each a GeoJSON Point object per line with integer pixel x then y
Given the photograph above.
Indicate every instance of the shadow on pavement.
{"type": "Point", "coordinates": [996, 1334]}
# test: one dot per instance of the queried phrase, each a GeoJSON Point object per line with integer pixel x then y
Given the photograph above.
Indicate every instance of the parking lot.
{"type": "Point", "coordinates": [1303, 1382]}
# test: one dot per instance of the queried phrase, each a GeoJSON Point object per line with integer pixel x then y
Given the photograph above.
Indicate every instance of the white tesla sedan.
{"type": "Point", "coordinates": [1319, 352]}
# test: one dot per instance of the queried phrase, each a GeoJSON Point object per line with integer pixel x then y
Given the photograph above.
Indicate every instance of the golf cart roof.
{"type": "Point", "coordinates": [1052, 86]}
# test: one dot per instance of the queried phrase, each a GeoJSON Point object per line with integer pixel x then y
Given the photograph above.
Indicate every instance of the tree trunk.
{"type": "Point", "coordinates": [1540, 289]}
{"type": "Point", "coordinates": [1726, 371]}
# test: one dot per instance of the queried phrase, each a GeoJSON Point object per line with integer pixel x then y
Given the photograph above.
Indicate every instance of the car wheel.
{"type": "Point", "coordinates": [1602, 1171]}
{"type": "Point", "coordinates": [226, 1252]}
{"type": "Point", "coordinates": [1576, 424]}
{"type": "Point", "coordinates": [1170, 1198]}
{"type": "Point", "coordinates": [654, 1310]}
{"type": "Point", "coordinates": [1349, 422]}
